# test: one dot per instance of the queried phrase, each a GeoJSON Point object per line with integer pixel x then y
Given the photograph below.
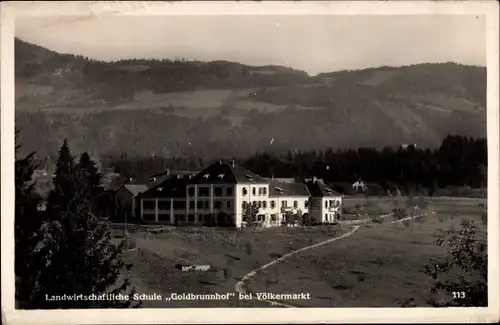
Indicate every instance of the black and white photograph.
{"type": "Point", "coordinates": [189, 157]}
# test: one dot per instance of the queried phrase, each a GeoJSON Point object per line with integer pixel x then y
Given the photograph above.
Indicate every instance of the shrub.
{"type": "Point", "coordinates": [399, 213]}
{"type": "Point", "coordinates": [484, 218]}
{"type": "Point", "coordinates": [131, 243]}
{"type": "Point", "coordinates": [466, 257]}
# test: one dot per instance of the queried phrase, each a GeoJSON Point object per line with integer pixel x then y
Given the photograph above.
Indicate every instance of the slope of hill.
{"type": "Point", "coordinates": [224, 108]}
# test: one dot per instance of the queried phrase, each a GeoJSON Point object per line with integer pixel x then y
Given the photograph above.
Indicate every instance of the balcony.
{"type": "Point", "coordinates": [286, 209]}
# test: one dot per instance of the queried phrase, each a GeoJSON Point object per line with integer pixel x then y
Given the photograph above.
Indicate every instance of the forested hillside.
{"type": "Point", "coordinates": [222, 109]}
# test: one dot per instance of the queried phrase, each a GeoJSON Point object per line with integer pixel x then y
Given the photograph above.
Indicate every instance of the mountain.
{"type": "Point", "coordinates": [219, 108]}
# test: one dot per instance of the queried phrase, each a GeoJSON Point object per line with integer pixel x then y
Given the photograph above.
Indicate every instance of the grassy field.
{"type": "Point", "coordinates": [231, 254]}
{"type": "Point", "coordinates": [380, 265]}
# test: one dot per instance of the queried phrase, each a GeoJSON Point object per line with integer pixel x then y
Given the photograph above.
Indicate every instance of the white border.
{"type": "Point", "coordinates": [245, 315]}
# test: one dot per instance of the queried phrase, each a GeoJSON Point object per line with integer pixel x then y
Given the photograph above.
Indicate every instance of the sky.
{"type": "Point", "coordinates": [311, 43]}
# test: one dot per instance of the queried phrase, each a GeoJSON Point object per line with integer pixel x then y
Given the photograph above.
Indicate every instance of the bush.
{"type": "Point", "coordinates": [399, 213]}
{"type": "Point", "coordinates": [131, 243]}
{"type": "Point", "coordinates": [466, 257]}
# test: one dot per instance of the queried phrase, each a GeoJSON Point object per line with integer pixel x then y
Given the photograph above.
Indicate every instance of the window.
{"type": "Point", "coordinates": [273, 217]}
{"type": "Point", "coordinates": [253, 191]}
{"type": "Point", "coordinates": [264, 191]}
{"type": "Point", "coordinates": [203, 191]}
{"type": "Point", "coordinates": [326, 216]}
{"type": "Point", "coordinates": [190, 217]}
{"type": "Point", "coordinates": [163, 217]}
{"type": "Point", "coordinates": [218, 191]}
{"type": "Point", "coordinates": [259, 204]}
{"type": "Point", "coordinates": [255, 204]}
{"type": "Point", "coordinates": [295, 204]}
{"type": "Point", "coordinates": [264, 205]}
{"type": "Point", "coordinates": [180, 217]}
{"type": "Point", "coordinates": [273, 204]}
{"type": "Point", "coordinates": [244, 205]}
{"type": "Point", "coordinates": [191, 191]}
{"type": "Point", "coordinates": [337, 204]}
{"type": "Point", "coordinates": [179, 205]}
{"type": "Point", "coordinates": [164, 205]}
{"type": "Point", "coordinates": [331, 203]}
{"type": "Point", "coordinates": [218, 205]}
{"type": "Point", "coordinates": [305, 204]}
{"type": "Point", "coordinates": [229, 191]}
{"type": "Point", "coordinates": [261, 217]}
{"type": "Point", "coordinates": [283, 204]}
{"type": "Point", "coordinates": [202, 205]}
{"type": "Point", "coordinates": [228, 204]}
{"type": "Point", "coordinates": [244, 191]}
{"type": "Point", "coordinates": [326, 204]}
{"type": "Point", "coordinates": [148, 205]}
{"type": "Point", "coordinates": [191, 204]}
{"type": "Point", "coordinates": [260, 191]}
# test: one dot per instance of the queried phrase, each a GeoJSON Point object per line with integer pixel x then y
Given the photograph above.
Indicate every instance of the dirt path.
{"type": "Point", "coordinates": [240, 285]}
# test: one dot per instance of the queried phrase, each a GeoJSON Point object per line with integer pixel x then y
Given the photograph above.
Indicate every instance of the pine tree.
{"type": "Point", "coordinates": [81, 262]}
{"type": "Point", "coordinates": [29, 258]}
{"type": "Point", "coordinates": [93, 177]}
{"type": "Point", "coordinates": [63, 181]}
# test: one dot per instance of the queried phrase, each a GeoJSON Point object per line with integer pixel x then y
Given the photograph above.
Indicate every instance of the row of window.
{"type": "Point", "coordinates": [330, 217]}
{"type": "Point", "coordinates": [163, 205]}
{"type": "Point", "coordinates": [261, 218]}
{"type": "Point", "coordinates": [218, 204]}
{"type": "Point", "coordinates": [204, 191]}
{"type": "Point", "coordinates": [263, 204]}
{"type": "Point", "coordinates": [179, 205]}
{"type": "Point", "coordinates": [332, 203]}
{"type": "Point", "coordinates": [262, 191]}
{"type": "Point", "coordinates": [180, 218]}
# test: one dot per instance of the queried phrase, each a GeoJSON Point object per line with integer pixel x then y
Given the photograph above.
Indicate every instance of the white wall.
{"type": "Point", "coordinates": [249, 197]}
{"type": "Point", "coordinates": [330, 207]}
{"type": "Point", "coordinates": [315, 207]}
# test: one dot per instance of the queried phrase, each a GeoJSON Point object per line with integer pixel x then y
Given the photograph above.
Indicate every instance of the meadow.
{"type": "Point", "coordinates": [230, 253]}
{"type": "Point", "coordinates": [379, 265]}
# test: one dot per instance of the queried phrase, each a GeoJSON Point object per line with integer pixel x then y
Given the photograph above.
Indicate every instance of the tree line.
{"type": "Point", "coordinates": [65, 248]}
{"type": "Point", "coordinates": [459, 161]}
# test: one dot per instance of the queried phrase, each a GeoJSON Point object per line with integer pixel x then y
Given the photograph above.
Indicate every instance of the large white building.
{"type": "Point", "coordinates": [221, 193]}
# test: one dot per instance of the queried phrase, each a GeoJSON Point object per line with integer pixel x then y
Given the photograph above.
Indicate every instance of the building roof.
{"type": "Point", "coordinates": [171, 187]}
{"type": "Point", "coordinates": [319, 189]}
{"type": "Point", "coordinates": [225, 173]}
{"type": "Point", "coordinates": [135, 189]}
{"type": "Point", "coordinates": [117, 182]}
{"type": "Point", "coordinates": [277, 188]}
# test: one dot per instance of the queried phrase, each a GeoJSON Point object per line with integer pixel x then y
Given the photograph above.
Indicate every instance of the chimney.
{"type": "Point", "coordinates": [314, 179]}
